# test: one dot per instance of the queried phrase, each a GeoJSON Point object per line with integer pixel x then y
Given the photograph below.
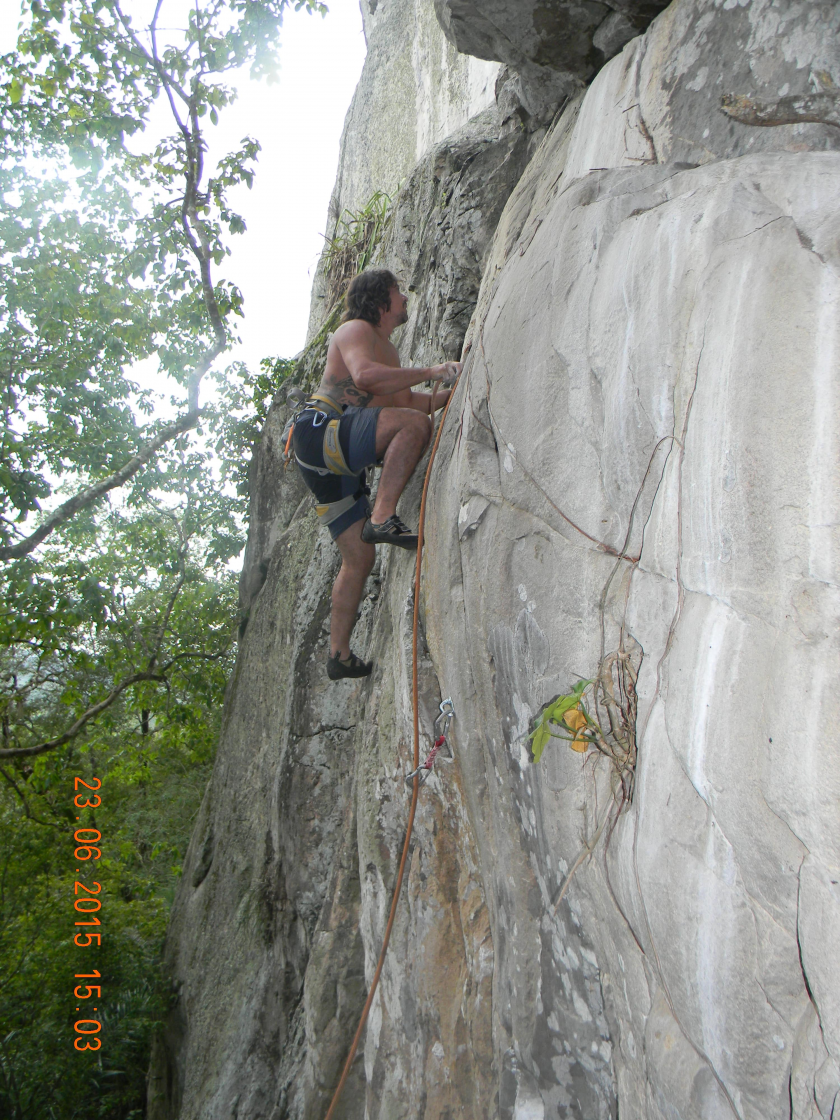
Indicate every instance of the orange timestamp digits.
{"type": "Point", "coordinates": [85, 902]}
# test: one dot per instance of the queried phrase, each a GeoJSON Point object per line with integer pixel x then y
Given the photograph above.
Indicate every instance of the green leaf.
{"type": "Point", "coordinates": [539, 738]}
{"type": "Point", "coordinates": [553, 714]}
{"type": "Point", "coordinates": [15, 91]}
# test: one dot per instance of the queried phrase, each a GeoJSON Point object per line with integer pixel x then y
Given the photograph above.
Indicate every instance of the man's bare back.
{"type": "Point", "coordinates": [361, 340]}
{"type": "Point", "coordinates": [363, 366]}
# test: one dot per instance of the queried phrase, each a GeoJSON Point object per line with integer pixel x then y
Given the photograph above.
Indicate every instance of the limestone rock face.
{"type": "Point", "coordinates": [660, 101]}
{"type": "Point", "coordinates": [640, 463]}
{"type": "Point", "coordinates": [442, 231]}
{"type": "Point", "coordinates": [415, 90]}
{"type": "Point", "coordinates": [554, 45]}
{"type": "Point", "coordinates": [659, 365]}
{"type": "Point", "coordinates": [553, 33]}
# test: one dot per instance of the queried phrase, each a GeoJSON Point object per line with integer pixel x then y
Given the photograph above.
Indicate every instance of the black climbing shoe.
{"type": "Point", "coordinates": [352, 667]}
{"type": "Point", "coordinates": [391, 531]}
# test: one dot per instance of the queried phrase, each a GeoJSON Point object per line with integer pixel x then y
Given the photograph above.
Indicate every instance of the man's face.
{"type": "Point", "coordinates": [399, 306]}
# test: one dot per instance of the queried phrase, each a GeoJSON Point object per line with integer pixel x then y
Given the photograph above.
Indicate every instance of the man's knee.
{"type": "Point", "coordinates": [418, 424]}
{"type": "Point", "coordinates": [393, 421]}
{"type": "Point", "coordinates": [357, 555]}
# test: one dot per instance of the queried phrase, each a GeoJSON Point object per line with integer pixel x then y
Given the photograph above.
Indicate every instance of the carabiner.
{"type": "Point", "coordinates": [447, 714]}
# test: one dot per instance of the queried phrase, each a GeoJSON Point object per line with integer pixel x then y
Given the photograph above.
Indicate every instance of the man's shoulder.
{"type": "Point", "coordinates": [354, 329]}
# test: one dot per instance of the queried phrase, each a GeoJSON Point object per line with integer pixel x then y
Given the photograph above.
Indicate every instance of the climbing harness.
{"type": "Point", "coordinates": [327, 412]}
{"type": "Point", "coordinates": [415, 689]}
{"type": "Point", "coordinates": [447, 714]}
{"type": "Point", "coordinates": [327, 415]}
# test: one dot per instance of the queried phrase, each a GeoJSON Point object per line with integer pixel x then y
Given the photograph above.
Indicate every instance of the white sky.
{"type": "Point", "coordinates": [298, 121]}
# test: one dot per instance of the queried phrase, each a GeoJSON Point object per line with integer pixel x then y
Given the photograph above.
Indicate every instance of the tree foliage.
{"type": "Point", "coordinates": [109, 261]}
{"type": "Point", "coordinates": [117, 519]}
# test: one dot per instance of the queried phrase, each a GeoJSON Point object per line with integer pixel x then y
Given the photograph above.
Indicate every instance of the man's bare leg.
{"type": "Point", "coordinates": [401, 437]}
{"type": "Point", "coordinates": [356, 562]}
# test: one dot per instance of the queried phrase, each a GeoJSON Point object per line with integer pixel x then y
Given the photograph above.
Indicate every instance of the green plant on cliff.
{"type": "Point", "coordinates": [599, 714]}
{"type": "Point", "coordinates": [116, 527]}
{"type": "Point", "coordinates": [565, 717]}
{"type": "Point", "coordinates": [357, 237]}
{"type": "Point", "coordinates": [353, 244]}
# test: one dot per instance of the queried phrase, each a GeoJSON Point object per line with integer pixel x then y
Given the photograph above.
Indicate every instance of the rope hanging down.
{"type": "Point", "coordinates": [416, 774]}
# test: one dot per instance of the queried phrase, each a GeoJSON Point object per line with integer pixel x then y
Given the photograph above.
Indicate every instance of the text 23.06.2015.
{"type": "Point", "coordinates": [86, 904]}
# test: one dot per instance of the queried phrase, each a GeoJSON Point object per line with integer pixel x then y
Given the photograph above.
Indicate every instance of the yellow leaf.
{"type": "Point", "coordinates": [579, 745]}
{"type": "Point", "coordinates": [575, 719]}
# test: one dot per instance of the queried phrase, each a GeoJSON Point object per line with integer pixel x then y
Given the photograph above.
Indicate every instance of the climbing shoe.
{"type": "Point", "coordinates": [353, 666]}
{"type": "Point", "coordinates": [391, 531]}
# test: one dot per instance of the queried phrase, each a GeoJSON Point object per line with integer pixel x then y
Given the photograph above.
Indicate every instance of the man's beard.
{"type": "Point", "coordinates": [403, 316]}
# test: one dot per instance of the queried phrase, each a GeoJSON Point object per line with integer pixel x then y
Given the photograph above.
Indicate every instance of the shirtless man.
{"type": "Point", "coordinates": [364, 412]}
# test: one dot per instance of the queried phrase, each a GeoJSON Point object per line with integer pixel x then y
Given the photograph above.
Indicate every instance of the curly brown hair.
{"type": "Point", "coordinates": [369, 293]}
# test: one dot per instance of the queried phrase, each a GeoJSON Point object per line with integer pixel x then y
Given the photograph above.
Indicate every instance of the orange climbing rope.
{"type": "Point", "coordinates": [416, 783]}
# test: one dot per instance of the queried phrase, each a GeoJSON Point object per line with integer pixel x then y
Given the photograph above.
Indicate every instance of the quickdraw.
{"type": "Point", "coordinates": [295, 398]}
{"type": "Point", "coordinates": [447, 714]}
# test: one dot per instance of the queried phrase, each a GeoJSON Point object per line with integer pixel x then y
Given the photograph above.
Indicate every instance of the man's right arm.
{"type": "Point", "coordinates": [356, 347]}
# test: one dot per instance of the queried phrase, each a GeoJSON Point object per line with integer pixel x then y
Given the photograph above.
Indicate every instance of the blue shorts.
{"type": "Point", "coordinates": [357, 439]}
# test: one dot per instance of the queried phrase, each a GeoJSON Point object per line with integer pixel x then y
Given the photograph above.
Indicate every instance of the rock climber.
{"type": "Point", "coordinates": [364, 412]}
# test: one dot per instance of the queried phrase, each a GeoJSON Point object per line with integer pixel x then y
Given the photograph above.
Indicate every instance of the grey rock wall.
{"type": "Point", "coordinates": [561, 35]}
{"type": "Point", "coordinates": [553, 45]}
{"type": "Point", "coordinates": [641, 457]}
{"type": "Point", "coordinates": [643, 331]}
{"type": "Point", "coordinates": [414, 91]}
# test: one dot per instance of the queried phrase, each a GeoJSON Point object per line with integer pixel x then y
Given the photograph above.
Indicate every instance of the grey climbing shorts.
{"type": "Point", "coordinates": [357, 436]}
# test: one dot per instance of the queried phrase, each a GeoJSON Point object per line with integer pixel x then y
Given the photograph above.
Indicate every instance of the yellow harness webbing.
{"type": "Point", "coordinates": [325, 400]}
{"type": "Point", "coordinates": [333, 455]}
{"type": "Point", "coordinates": [329, 513]}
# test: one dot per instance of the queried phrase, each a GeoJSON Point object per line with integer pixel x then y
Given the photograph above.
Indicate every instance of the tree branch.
{"type": "Point", "coordinates": [167, 614]}
{"type": "Point", "coordinates": [29, 814]}
{"type": "Point", "coordinates": [90, 494]}
{"type": "Point", "coordinates": [194, 657]}
{"type": "Point", "coordinates": [190, 220]}
{"type": "Point", "coordinates": [166, 79]}
{"type": "Point", "coordinates": [91, 713]}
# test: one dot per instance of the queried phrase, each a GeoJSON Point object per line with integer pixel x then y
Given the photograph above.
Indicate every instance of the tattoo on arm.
{"type": "Point", "coordinates": [350, 393]}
